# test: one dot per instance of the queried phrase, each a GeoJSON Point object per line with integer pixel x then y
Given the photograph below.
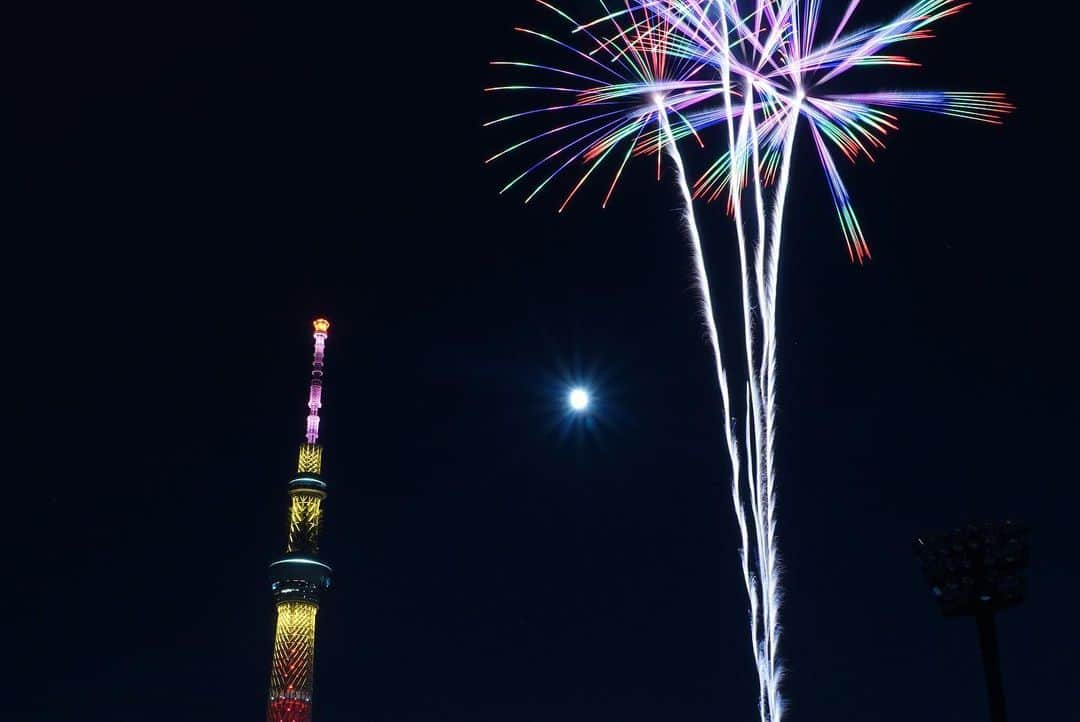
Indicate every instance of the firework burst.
{"type": "Point", "coordinates": [646, 74]}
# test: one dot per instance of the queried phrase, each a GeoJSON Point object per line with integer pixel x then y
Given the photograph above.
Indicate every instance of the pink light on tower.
{"type": "Point", "coordinates": [322, 326]}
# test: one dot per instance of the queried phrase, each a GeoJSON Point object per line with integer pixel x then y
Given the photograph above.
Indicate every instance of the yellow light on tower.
{"type": "Point", "coordinates": [310, 461]}
{"type": "Point", "coordinates": [294, 658]}
{"type": "Point", "coordinates": [305, 521]}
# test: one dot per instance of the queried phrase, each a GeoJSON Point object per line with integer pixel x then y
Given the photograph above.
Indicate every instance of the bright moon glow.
{"type": "Point", "coordinates": [579, 399]}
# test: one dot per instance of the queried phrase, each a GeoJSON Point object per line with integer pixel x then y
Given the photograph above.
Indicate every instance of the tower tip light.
{"type": "Point", "coordinates": [321, 325]}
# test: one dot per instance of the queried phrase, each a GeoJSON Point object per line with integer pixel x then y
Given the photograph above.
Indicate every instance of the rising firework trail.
{"type": "Point", "coordinates": [757, 69]}
{"type": "Point", "coordinates": [705, 289]}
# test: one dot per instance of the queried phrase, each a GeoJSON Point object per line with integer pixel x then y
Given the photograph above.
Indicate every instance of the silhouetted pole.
{"type": "Point", "coordinates": [975, 572]}
{"type": "Point", "coordinates": [984, 620]}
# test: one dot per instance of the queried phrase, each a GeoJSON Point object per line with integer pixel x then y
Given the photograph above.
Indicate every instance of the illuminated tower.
{"type": "Point", "coordinates": [299, 577]}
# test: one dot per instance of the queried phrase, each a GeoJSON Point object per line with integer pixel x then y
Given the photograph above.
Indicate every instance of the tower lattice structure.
{"type": "Point", "coordinates": [299, 577]}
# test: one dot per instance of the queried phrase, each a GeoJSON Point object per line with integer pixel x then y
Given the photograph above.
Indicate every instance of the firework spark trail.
{"type": "Point", "coordinates": [704, 288]}
{"type": "Point", "coordinates": [762, 588]}
{"type": "Point", "coordinates": [760, 480]}
{"type": "Point", "coordinates": [760, 353]}
{"type": "Point", "coordinates": [769, 279]}
{"type": "Point", "coordinates": [759, 599]}
{"type": "Point", "coordinates": [771, 275]}
{"type": "Point", "coordinates": [708, 314]}
{"type": "Point", "coordinates": [753, 590]}
{"type": "Point", "coordinates": [764, 493]}
{"type": "Point", "coordinates": [758, 594]}
{"type": "Point", "coordinates": [761, 487]}
{"type": "Point", "coordinates": [764, 511]}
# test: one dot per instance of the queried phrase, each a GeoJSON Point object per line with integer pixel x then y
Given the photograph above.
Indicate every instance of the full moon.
{"type": "Point", "coordinates": [579, 399]}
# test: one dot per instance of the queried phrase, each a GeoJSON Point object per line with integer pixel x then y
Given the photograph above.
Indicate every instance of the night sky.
{"type": "Point", "coordinates": [192, 185]}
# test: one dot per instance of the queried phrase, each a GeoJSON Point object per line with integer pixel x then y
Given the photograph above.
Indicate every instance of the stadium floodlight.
{"type": "Point", "coordinates": [977, 571]}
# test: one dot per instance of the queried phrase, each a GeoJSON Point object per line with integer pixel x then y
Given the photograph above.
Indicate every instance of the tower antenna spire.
{"type": "Point", "coordinates": [299, 577]}
{"type": "Point", "coordinates": [322, 328]}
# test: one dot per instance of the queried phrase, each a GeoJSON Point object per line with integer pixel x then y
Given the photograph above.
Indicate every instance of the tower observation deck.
{"type": "Point", "coordinates": [298, 578]}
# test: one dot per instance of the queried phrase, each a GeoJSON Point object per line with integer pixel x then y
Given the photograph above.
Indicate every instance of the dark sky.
{"type": "Point", "coordinates": [193, 184]}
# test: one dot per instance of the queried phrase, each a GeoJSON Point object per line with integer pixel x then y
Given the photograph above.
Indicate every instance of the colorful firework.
{"type": "Point", "coordinates": [619, 74]}
{"type": "Point", "coordinates": [758, 71]}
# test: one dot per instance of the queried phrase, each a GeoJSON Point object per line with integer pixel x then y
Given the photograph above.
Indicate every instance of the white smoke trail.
{"type": "Point", "coordinates": [704, 287]}
{"type": "Point", "coordinates": [766, 500]}
{"type": "Point", "coordinates": [702, 277]}
{"type": "Point", "coordinates": [760, 659]}
{"type": "Point", "coordinates": [769, 393]}
{"type": "Point", "coordinates": [758, 266]}
{"type": "Point", "coordinates": [763, 484]}
{"type": "Point", "coordinates": [767, 700]}
{"type": "Point", "coordinates": [753, 319]}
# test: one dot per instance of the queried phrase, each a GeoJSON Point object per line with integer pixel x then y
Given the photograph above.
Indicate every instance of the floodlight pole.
{"type": "Point", "coordinates": [975, 572]}
{"type": "Point", "coordinates": [988, 643]}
